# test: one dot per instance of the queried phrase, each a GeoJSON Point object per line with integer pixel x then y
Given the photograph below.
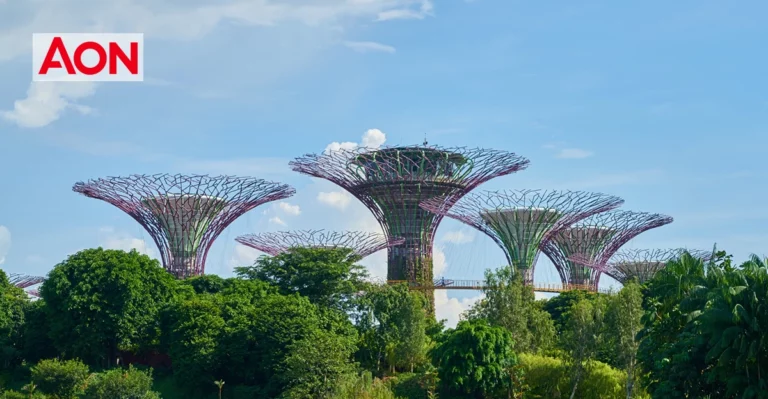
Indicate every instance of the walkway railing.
{"type": "Point", "coordinates": [447, 284]}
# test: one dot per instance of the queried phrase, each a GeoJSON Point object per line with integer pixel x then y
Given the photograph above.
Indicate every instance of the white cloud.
{"type": "Point", "coordinates": [47, 101]}
{"type": "Point", "coordinates": [439, 262]}
{"type": "Point", "coordinates": [366, 47]}
{"type": "Point", "coordinates": [451, 309]}
{"type": "Point", "coordinates": [336, 199]}
{"type": "Point", "coordinates": [408, 13]}
{"type": "Point", "coordinates": [573, 153]}
{"type": "Point", "coordinates": [372, 138]}
{"type": "Point", "coordinates": [173, 20]}
{"type": "Point", "coordinates": [458, 237]}
{"type": "Point", "coordinates": [290, 209]}
{"type": "Point", "coordinates": [5, 243]}
{"type": "Point", "coordinates": [243, 256]}
{"type": "Point", "coordinates": [277, 220]}
{"type": "Point", "coordinates": [109, 238]}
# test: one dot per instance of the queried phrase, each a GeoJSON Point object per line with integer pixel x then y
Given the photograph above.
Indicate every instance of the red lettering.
{"type": "Point", "coordinates": [72, 66]}
{"type": "Point", "coordinates": [132, 63]}
{"type": "Point", "coordinates": [86, 70]}
{"type": "Point", "coordinates": [57, 45]}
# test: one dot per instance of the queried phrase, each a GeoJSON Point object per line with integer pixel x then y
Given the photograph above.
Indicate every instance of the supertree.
{"type": "Point", "coordinates": [23, 280]}
{"type": "Point", "coordinates": [519, 220]}
{"type": "Point", "coordinates": [593, 241]}
{"type": "Point", "coordinates": [184, 213]}
{"type": "Point", "coordinates": [361, 243]}
{"type": "Point", "coordinates": [640, 264]}
{"type": "Point", "coordinates": [392, 181]}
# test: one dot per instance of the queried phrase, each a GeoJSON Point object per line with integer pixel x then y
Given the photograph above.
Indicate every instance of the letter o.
{"type": "Point", "coordinates": [78, 56]}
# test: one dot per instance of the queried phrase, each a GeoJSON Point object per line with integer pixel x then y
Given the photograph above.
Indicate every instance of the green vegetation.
{"type": "Point", "coordinates": [306, 325]}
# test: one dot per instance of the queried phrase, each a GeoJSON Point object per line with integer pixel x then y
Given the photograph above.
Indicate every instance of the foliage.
{"type": "Point", "coordinates": [510, 304]}
{"type": "Point", "coordinates": [474, 360]}
{"type": "Point", "coordinates": [37, 344]}
{"type": "Point", "coordinates": [60, 379]}
{"type": "Point", "coordinates": [581, 337]}
{"type": "Point", "coordinates": [623, 322]}
{"type": "Point", "coordinates": [393, 328]}
{"type": "Point", "coordinates": [316, 364]}
{"type": "Point", "coordinates": [121, 384]}
{"type": "Point", "coordinates": [328, 277]}
{"type": "Point", "coordinates": [363, 387]}
{"type": "Point", "coordinates": [13, 302]}
{"type": "Point", "coordinates": [100, 302]}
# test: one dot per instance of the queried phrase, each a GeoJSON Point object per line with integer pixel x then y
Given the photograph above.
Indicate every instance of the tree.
{"type": "Point", "coordinates": [121, 384]}
{"type": "Point", "coordinates": [393, 327]}
{"type": "Point", "coordinates": [559, 305]}
{"type": "Point", "coordinates": [99, 302]}
{"type": "Point", "coordinates": [510, 304]}
{"type": "Point", "coordinates": [219, 384]}
{"type": "Point", "coordinates": [316, 365]}
{"type": "Point", "coordinates": [60, 379]}
{"type": "Point", "coordinates": [581, 337]}
{"type": "Point", "coordinates": [328, 277]}
{"type": "Point", "coordinates": [37, 344]}
{"type": "Point", "coordinates": [624, 321]}
{"type": "Point", "coordinates": [13, 304]}
{"type": "Point", "coordinates": [474, 360]}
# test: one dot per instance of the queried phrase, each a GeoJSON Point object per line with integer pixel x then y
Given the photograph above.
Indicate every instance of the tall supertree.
{"type": "Point", "coordinates": [640, 264]}
{"type": "Point", "coordinates": [361, 243]}
{"type": "Point", "coordinates": [184, 213]}
{"type": "Point", "coordinates": [594, 240]}
{"type": "Point", "coordinates": [519, 220]}
{"type": "Point", "coordinates": [391, 182]}
{"type": "Point", "coordinates": [23, 280]}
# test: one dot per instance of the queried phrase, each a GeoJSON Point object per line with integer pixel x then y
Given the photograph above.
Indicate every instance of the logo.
{"type": "Point", "coordinates": [88, 57]}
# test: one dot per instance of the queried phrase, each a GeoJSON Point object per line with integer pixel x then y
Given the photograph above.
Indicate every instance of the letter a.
{"type": "Point", "coordinates": [57, 45]}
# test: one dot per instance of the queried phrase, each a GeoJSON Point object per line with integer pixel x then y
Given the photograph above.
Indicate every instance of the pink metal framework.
{"type": "Point", "coordinates": [594, 240]}
{"type": "Point", "coordinates": [24, 281]}
{"type": "Point", "coordinates": [639, 264]}
{"type": "Point", "coordinates": [361, 243]}
{"type": "Point", "coordinates": [391, 182]}
{"type": "Point", "coordinates": [519, 220]}
{"type": "Point", "coordinates": [184, 213]}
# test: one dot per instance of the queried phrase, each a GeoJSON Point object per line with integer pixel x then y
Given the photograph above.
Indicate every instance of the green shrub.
{"type": "Point", "coordinates": [408, 385]}
{"type": "Point", "coordinates": [60, 379]}
{"type": "Point", "coordinates": [20, 395]}
{"type": "Point", "coordinates": [121, 384]}
{"type": "Point", "coordinates": [364, 387]}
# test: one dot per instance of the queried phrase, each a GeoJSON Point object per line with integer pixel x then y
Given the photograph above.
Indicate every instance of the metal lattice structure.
{"type": "Point", "coordinates": [391, 182]}
{"type": "Point", "coordinates": [361, 243]}
{"type": "Point", "coordinates": [23, 280]}
{"type": "Point", "coordinates": [184, 213]}
{"type": "Point", "coordinates": [640, 264]}
{"type": "Point", "coordinates": [593, 241]}
{"type": "Point", "coordinates": [520, 220]}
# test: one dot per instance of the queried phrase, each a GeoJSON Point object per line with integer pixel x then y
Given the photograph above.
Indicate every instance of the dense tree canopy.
{"type": "Point", "coordinates": [101, 301]}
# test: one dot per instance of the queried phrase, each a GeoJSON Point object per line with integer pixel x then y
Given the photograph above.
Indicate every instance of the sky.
{"type": "Point", "coordinates": [661, 103]}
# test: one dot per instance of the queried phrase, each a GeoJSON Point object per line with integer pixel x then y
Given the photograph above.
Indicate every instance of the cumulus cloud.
{"type": "Point", "coordinates": [276, 220]}
{"type": "Point", "coordinates": [243, 256]}
{"type": "Point", "coordinates": [5, 243]}
{"type": "Point", "coordinates": [451, 309]}
{"type": "Point", "coordinates": [372, 138]}
{"type": "Point", "coordinates": [109, 238]}
{"type": "Point", "coordinates": [290, 209]}
{"type": "Point", "coordinates": [458, 237]}
{"type": "Point", "coordinates": [370, 47]}
{"type": "Point", "coordinates": [439, 263]}
{"type": "Point", "coordinates": [336, 199]}
{"type": "Point", "coordinates": [47, 101]}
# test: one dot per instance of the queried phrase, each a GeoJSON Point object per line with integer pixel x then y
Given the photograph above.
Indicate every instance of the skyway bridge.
{"type": "Point", "coordinates": [448, 284]}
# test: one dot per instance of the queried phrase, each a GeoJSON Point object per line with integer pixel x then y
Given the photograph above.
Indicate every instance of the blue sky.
{"type": "Point", "coordinates": [663, 104]}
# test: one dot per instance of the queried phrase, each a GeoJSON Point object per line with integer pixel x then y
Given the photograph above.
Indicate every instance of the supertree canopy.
{"type": "Point", "coordinates": [392, 181]}
{"type": "Point", "coordinates": [361, 243]}
{"type": "Point", "coordinates": [24, 281]}
{"type": "Point", "coordinates": [184, 213]}
{"type": "Point", "coordinates": [641, 264]}
{"type": "Point", "coordinates": [519, 220]}
{"type": "Point", "coordinates": [593, 241]}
